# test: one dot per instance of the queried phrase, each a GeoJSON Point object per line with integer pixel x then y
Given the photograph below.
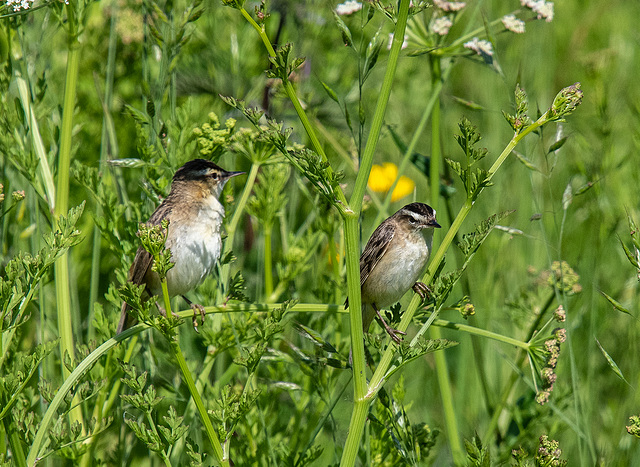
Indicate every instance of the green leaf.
{"type": "Point", "coordinates": [612, 363]}
{"type": "Point", "coordinates": [633, 258]}
{"type": "Point", "coordinates": [330, 92]}
{"type": "Point", "coordinates": [616, 304]}
{"type": "Point", "coordinates": [557, 145]}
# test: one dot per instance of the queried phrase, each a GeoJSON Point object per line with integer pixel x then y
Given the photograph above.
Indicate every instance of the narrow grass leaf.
{"type": "Point", "coordinates": [316, 338]}
{"type": "Point", "coordinates": [527, 163]}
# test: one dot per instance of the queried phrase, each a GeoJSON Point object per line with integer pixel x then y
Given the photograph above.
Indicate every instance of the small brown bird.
{"type": "Point", "coordinates": [195, 220]}
{"type": "Point", "coordinates": [394, 259]}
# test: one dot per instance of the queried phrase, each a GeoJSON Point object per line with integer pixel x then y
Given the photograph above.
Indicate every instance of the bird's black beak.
{"type": "Point", "coordinates": [434, 224]}
{"type": "Point", "coordinates": [228, 175]}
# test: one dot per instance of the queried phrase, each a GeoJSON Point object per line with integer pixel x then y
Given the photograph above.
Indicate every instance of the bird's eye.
{"type": "Point", "coordinates": [412, 221]}
{"type": "Point", "coordinates": [214, 175]}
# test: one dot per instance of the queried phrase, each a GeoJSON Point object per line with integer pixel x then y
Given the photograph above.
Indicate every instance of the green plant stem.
{"type": "Point", "coordinates": [193, 390]}
{"type": "Point", "coordinates": [206, 420]}
{"type": "Point", "coordinates": [232, 226]}
{"type": "Point", "coordinates": [352, 249]}
{"type": "Point", "coordinates": [268, 265]}
{"type": "Point", "coordinates": [378, 377]}
{"type": "Point", "coordinates": [104, 149]}
{"type": "Point", "coordinates": [17, 453]}
{"type": "Point", "coordinates": [291, 94]}
{"type": "Point", "coordinates": [152, 424]}
{"type": "Point", "coordinates": [381, 106]}
{"type": "Point", "coordinates": [61, 266]}
{"type": "Point", "coordinates": [442, 372]}
{"type": "Point", "coordinates": [474, 331]}
{"type": "Point", "coordinates": [203, 378]}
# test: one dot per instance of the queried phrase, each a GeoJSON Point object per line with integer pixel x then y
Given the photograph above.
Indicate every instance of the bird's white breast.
{"type": "Point", "coordinates": [400, 268]}
{"type": "Point", "coordinates": [195, 247]}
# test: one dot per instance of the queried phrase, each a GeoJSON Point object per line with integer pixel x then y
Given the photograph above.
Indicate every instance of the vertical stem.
{"type": "Point", "coordinates": [378, 117]}
{"type": "Point", "coordinates": [436, 333]}
{"type": "Point", "coordinates": [61, 266]}
{"type": "Point", "coordinates": [104, 149]}
{"type": "Point", "coordinates": [15, 442]}
{"type": "Point", "coordinates": [268, 265]}
{"type": "Point", "coordinates": [352, 245]}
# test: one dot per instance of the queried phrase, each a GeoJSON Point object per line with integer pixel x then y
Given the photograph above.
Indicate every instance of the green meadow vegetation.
{"type": "Point", "coordinates": [518, 121]}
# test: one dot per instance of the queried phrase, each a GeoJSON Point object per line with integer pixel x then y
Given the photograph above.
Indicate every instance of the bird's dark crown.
{"type": "Point", "coordinates": [199, 169]}
{"type": "Point", "coordinates": [419, 213]}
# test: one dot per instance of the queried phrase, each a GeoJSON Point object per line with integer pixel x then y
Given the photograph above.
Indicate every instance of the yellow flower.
{"type": "Point", "coordinates": [383, 176]}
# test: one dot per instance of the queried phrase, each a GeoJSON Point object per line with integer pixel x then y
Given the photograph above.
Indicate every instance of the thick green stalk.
{"type": "Point", "coordinates": [17, 453]}
{"type": "Point", "coordinates": [61, 266]}
{"type": "Point", "coordinates": [352, 249]}
{"type": "Point", "coordinates": [378, 117]}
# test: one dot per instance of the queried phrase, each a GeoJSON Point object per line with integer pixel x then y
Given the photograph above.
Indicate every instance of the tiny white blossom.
{"type": "Point", "coordinates": [543, 9]}
{"type": "Point", "coordinates": [513, 24]}
{"type": "Point", "coordinates": [405, 43]}
{"type": "Point", "coordinates": [449, 6]}
{"type": "Point", "coordinates": [442, 25]}
{"type": "Point", "coordinates": [348, 8]}
{"type": "Point", "coordinates": [481, 47]}
{"type": "Point", "coordinates": [18, 5]}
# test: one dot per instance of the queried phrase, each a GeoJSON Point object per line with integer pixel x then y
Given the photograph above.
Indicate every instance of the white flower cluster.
{"type": "Point", "coordinates": [513, 24]}
{"type": "Point", "coordinates": [348, 8]}
{"type": "Point", "coordinates": [442, 25]}
{"type": "Point", "coordinates": [449, 6]}
{"type": "Point", "coordinates": [543, 9]}
{"type": "Point", "coordinates": [18, 5]}
{"type": "Point", "coordinates": [481, 47]}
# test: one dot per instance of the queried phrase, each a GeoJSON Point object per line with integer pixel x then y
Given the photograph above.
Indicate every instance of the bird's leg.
{"type": "Point", "coordinates": [197, 309]}
{"type": "Point", "coordinates": [422, 290]}
{"type": "Point", "coordinates": [392, 332]}
{"type": "Point", "coordinates": [163, 312]}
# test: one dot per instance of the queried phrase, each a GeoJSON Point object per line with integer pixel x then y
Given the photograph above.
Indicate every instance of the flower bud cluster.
{"type": "Point", "coordinates": [549, 453]}
{"type": "Point", "coordinates": [548, 375]}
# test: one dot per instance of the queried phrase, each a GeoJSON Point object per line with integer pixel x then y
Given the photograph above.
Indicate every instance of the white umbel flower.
{"type": "Point", "coordinates": [348, 8]}
{"type": "Point", "coordinates": [513, 24]}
